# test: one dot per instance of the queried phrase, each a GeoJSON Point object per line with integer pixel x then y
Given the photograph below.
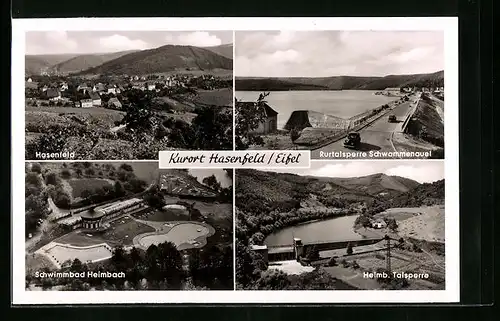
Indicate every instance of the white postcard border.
{"type": "Point", "coordinates": [447, 24]}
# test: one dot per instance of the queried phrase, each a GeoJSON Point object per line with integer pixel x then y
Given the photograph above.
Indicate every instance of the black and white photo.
{"type": "Point", "coordinates": [127, 226]}
{"type": "Point", "coordinates": [341, 226]}
{"type": "Point", "coordinates": [341, 94]}
{"type": "Point", "coordinates": [127, 94]}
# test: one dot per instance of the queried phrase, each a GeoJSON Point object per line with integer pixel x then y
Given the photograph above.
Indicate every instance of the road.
{"type": "Point", "coordinates": [374, 137]}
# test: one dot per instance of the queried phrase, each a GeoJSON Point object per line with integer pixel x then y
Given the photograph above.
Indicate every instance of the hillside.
{"type": "Point", "coordinates": [164, 59]}
{"type": "Point", "coordinates": [377, 184]}
{"type": "Point", "coordinates": [222, 50]}
{"type": "Point", "coordinates": [287, 191]}
{"type": "Point", "coordinates": [422, 195]}
{"type": "Point", "coordinates": [339, 82]}
{"type": "Point", "coordinates": [86, 61]}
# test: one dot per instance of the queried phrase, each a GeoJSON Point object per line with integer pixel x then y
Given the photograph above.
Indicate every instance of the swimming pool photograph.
{"type": "Point", "coordinates": [127, 226]}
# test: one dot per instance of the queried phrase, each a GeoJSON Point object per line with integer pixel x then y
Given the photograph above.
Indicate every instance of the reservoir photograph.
{"type": "Point", "coordinates": [341, 226]}
{"type": "Point", "coordinates": [361, 94]}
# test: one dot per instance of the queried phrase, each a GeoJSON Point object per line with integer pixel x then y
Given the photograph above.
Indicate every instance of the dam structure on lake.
{"type": "Point", "coordinates": [293, 251]}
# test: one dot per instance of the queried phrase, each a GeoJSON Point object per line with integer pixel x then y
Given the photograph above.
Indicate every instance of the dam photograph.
{"type": "Point", "coordinates": [337, 223]}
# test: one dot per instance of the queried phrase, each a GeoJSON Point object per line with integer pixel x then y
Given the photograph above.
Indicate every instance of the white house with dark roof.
{"type": "Point", "coordinates": [86, 103]}
{"type": "Point", "coordinates": [96, 99]}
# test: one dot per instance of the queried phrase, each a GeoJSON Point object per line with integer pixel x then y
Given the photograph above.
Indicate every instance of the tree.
{"type": "Point", "coordinates": [36, 168]}
{"type": "Point", "coordinates": [349, 248]}
{"type": "Point", "coordinates": [51, 179]}
{"type": "Point", "coordinates": [248, 118]}
{"type": "Point", "coordinates": [312, 253]}
{"type": "Point", "coordinates": [272, 280]}
{"type": "Point", "coordinates": [213, 129]}
{"type": "Point", "coordinates": [127, 167]}
{"type": "Point", "coordinates": [211, 181]}
{"type": "Point", "coordinates": [392, 224]}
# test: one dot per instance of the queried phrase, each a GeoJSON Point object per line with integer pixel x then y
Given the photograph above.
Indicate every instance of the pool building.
{"type": "Point", "coordinates": [94, 219]}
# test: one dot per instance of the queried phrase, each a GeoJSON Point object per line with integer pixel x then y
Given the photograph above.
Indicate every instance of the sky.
{"type": "Point", "coordinates": [418, 170]}
{"type": "Point", "coordinates": [337, 53]}
{"type": "Point", "coordinates": [62, 42]}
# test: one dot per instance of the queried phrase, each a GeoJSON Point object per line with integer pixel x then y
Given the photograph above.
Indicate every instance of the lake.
{"type": "Point", "coordinates": [334, 229]}
{"type": "Point", "coordinates": [340, 103]}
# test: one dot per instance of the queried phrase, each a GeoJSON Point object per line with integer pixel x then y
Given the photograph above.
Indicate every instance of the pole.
{"type": "Point", "coordinates": [388, 255]}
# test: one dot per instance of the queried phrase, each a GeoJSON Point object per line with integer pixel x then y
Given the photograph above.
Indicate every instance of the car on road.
{"type": "Point", "coordinates": [392, 119]}
{"type": "Point", "coordinates": [353, 140]}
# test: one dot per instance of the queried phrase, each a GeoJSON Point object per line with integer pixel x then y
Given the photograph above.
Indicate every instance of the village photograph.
{"type": "Point", "coordinates": [341, 225]}
{"type": "Point", "coordinates": [360, 94]}
{"type": "Point", "coordinates": [127, 226]}
{"type": "Point", "coordinates": [115, 95]}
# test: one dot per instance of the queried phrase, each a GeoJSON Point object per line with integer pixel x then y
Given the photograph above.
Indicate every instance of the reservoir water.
{"type": "Point", "coordinates": [340, 103]}
{"type": "Point", "coordinates": [334, 229]}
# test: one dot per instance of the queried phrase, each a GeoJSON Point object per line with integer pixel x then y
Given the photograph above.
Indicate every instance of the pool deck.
{"type": "Point", "coordinates": [44, 250]}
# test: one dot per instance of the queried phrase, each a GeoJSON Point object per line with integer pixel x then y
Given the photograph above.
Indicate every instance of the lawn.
{"type": "Point", "coordinates": [78, 238]}
{"type": "Point", "coordinates": [217, 97]}
{"type": "Point", "coordinates": [91, 184]}
{"type": "Point", "coordinates": [167, 215]}
{"type": "Point", "coordinates": [36, 262]}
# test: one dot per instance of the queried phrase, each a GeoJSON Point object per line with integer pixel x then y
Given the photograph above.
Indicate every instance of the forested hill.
{"type": "Point", "coordinates": [339, 82]}
{"type": "Point", "coordinates": [264, 191]}
{"type": "Point", "coordinates": [164, 59]}
{"type": "Point", "coordinates": [422, 195]}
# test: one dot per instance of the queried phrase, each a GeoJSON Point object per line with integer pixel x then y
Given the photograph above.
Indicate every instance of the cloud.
{"type": "Point", "coordinates": [352, 169]}
{"type": "Point", "coordinates": [197, 38]}
{"type": "Point", "coordinates": [332, 53]}
{"type": "Point", "coordinates": [118, 42]}
{"type": "Point", "coordinates": [59, 41]}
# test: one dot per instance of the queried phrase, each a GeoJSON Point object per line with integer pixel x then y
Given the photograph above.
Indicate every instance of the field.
{"type": "Point", "coordinates": [74, 110]}
{"type": "Point", "coordinates": [90, 184]}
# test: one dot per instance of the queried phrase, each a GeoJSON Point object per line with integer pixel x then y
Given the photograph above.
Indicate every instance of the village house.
{"type": "Point", "coordinates": [379, 224]}
{"type": "Point", "coordinates": [270, 123]}
{"type": "Point", "coordinates": [29, 80]}
{"type": "Point", "coordinates": [112, 89]}
{"type": "Point", "coordinates": [53, 94]}
{"type": "Point", "coordinates": [77, 104]}
{"type": "Point", "coordinates": [83, 87]}
{"type": "Point", "coordinates": [99, 88]}
{"type": "Point", "coordinates": [136, 78]}
{"type": "Point", "coordinates": [143, 78]}
{"type": "Point", "coordinates": [86, 103]}
{"type": "Point", "coordinates": [45, 88]}
{"type": "Point", "coordinates": [114, 103]}
{"type": "Point", "coordinates": [96, 99]}
{"type": "Point", "coordinates": [63, 86]}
